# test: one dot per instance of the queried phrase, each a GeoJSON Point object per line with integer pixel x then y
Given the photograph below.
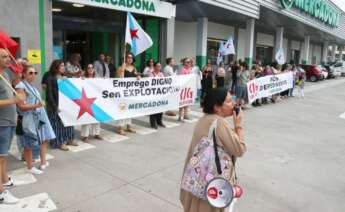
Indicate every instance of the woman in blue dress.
{"type": "Point", "coordinates": [33, 107]}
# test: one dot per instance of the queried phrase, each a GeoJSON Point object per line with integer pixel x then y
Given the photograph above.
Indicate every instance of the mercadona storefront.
{"type": "Point", "coordinates": [54, 29]}
{"type": "Point", "coordinates": [308, 31]}
{"type": "Point", "coordinates": [89, 27]}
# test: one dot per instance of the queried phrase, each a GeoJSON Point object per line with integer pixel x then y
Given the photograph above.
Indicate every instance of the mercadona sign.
{"type": "Point", "coordinates": [320, 9]}
{"type": "Point", "coordinates": [147, 7]}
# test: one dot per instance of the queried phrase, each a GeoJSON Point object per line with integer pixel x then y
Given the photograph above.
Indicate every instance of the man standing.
{"type": "Point", "coordinates": [7, 127]}
{"type": "Point", "coordinates": [101, 67]}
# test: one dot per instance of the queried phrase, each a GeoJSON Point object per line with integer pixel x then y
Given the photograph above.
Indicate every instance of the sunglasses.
{"type": "Point", "coordinates": [32, 73]}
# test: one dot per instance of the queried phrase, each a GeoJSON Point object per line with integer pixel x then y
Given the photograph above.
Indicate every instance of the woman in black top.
{"type": "Point", "coordinates": [64, 135]}
{"type": "Point", "coordinates": [127, 70]}
{"type": "Point", "coordinates": [207, 80]}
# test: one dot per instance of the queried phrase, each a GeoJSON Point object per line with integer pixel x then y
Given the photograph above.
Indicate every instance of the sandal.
{"type": "Point", "coordinates": [63, 147]}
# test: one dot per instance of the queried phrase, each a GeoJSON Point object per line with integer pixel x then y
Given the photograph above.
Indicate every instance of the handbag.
{"type": "Point", "coordinates": [31, 121]}
{"type": "Point", "coordinates": [207, 162]}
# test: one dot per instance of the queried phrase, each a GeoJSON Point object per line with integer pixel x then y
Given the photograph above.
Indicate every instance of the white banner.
{"type": "Point", "coordinates": [269, 85]}
{"type": "Point", "coordinates": [103, 100]}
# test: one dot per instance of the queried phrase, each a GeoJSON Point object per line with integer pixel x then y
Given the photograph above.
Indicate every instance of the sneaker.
{"type": "Point", "coordinates": [35, 171]}
{"type": "Point", "coordinates": [7, 198]}
{"type": "Point", "coordinates": [180, 119]}
{"type": "Point", "coordinates": [186, 117]}
{"type": "Point", "coordinates": [44, 166]}
{"type": "Point", "coordinates": [10, 183]}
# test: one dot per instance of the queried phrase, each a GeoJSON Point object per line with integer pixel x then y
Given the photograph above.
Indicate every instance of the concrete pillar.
{"type": "Point", "coordinates": [279, 41]}
{"type": "Point", "coordinates": [167, 38]}
{"type": "Point", "coordinates": [249, 53]}
{"type": "Point", "coordinates": [201, 42]}
{"type": "Point", "coordinates": [305, 55]}
{"type": "Point", "coordinates": [279, 38]}
{"type": "Point", "coordinates": [334, 52]}
{"type": "Point", "coordinates": [324, 52]}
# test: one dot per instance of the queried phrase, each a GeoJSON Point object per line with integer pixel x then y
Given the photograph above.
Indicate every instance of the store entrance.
{"type": "Point", "coordinates": [264, 54]}
{"type": "Point", "coordinates": [295, 55]}
{"type": "Point", "coordinates": [88, 44]}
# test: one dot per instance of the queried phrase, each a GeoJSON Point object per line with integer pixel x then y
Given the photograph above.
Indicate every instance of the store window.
{"type": "Point", "coordinates": [212, 51]}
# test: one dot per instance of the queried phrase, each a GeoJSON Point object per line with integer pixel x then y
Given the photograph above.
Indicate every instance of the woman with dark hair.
{"type": "Point", "coordinates": [156, 119]}
{"type": "Point", "coordinates": [33, 105]}
{"type": "Point", "coordinates": [127, 70]}
{"type": "Point", "coordinates": [64, 135]}
{"type": "Point", "coordinates": [217, 106]}
{"type": "Point", "coordinates": [207, 80]}
{"type": "Point", "coordinates": [149, 68]}
{"type": "Point", "coordinates": [93, 129]}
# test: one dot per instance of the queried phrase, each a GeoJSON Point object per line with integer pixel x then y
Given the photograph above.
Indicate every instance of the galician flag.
{"type": "Point", "coordinates": [136, 36]}
{"type": "Point", "coordinates": [220, 53]}
{"type": "Point", "coordinates": [229, 47]}
{"type": "Point", "coordinates": [280, 57]}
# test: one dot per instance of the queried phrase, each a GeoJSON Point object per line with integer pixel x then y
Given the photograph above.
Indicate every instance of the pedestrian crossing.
{"type": "Point", "coordinates": [42, 202]}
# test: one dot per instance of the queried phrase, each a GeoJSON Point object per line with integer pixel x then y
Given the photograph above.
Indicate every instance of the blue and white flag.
{"type": "Point", "coordinates": [229, 47]}
{"type": "Point", "coordinates": [220, 53]}
{"type": "Point", "coordinates": [280, 57]}
{"type": "Point", "coordinates": [136, 36]}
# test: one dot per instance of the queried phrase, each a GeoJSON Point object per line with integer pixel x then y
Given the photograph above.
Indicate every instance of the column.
{"type": "Point", "coordinates": [201, 42]}
{"type": "Point", "coordinates": [334, 52]}
{"type": "Point", "coordinates": [279, 41]}
{"type": "Point", "coordinates": [167, 39]}
{"type": "Point", "coordinates": [279, 38]}
{"type": "Point", "coordinates": [250, 42]}
{"type": "Point", "coordinates": [305, 55]}
{"type": "Point", "coordinates": [324, 52]}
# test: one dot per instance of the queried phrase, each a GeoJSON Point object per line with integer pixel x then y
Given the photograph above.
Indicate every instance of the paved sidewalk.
{"type": "Point", "coordinates": [294, 163]}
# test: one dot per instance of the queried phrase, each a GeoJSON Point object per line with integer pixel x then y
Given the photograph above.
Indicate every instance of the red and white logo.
{"type": "Point", "coordinates": [186, 96]}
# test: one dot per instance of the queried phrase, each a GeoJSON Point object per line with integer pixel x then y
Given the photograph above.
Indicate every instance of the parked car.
{"type": "Point", "coordinates": [324, 72]}
{"type": "Point", "coordinates": [339, 67]}
{"type": "Point", "coordinates": [312, 72]}
{"type": "Point", "coordinates": [330, 71]}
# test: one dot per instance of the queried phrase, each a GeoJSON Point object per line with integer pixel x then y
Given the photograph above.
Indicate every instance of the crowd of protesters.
{"type": "Point", "coordinates": [25, 102]}
{"type": "Point", "coordinates": [236, 76]}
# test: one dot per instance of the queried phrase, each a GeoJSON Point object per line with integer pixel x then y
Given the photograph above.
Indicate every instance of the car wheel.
{"type": "Point", "coordinates": [313, 78]}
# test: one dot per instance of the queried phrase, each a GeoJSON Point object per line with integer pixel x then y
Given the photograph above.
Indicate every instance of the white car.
{"type": "Point", "coordinates": [339, 68]}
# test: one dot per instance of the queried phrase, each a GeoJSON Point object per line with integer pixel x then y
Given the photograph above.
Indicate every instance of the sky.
{"type": "Point", "coordinates": [340, 3]}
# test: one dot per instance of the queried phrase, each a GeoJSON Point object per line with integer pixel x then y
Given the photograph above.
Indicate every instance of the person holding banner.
{"type": "Point", "coordinates": [64, 135]}
{"type": "Point", "coordinates": [93, 129]}
{"type": "Point", "coordinates": [186, 69]}
{"type": "Point", "coordinates": [33, 106]}
{"type": "Point", "coordinates": [220, 75]}
{"type": "Point", "coordinates": [157, 119]}
{"type": "Point", "coordinates": [149, 68]}
{"type": "Point", "coordinates": [7, 125]}
{"type": "Point", "coordinates": [207, 80]}
{"type": "Point", "coordinates": [127, 70]}
{"type": "Point", "coordinates": [241, 89]}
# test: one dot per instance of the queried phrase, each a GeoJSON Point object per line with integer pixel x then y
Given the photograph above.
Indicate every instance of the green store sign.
{"type": "Point", "coordinates": [144, 5]}
{"type": "Point", "coordinates": [319, 9]}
